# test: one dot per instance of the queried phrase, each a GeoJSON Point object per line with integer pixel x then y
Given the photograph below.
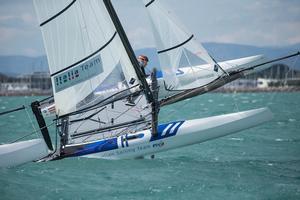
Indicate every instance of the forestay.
{"type": "Point", "coordinates": [86, 58]}
{"type": "Point", "coordinates": [177, 48]}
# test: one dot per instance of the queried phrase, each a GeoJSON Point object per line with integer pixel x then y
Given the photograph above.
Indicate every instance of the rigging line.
{"type": "Point", "coordinates": [124, 112]}
{"type": "Point", "coordinates": [218, 82]}
{"type": "Point", "coordinates": [108, 128]}
{"type": "Point", "coordinates": [114, 133]}
{"type": "Point", "coordinates": [31, 133]}
{"type": "Point", "coordinates": [82, 121]}
{"type": "Point", "coordinates": [88, 38]}
{"type": "Point", "coordinates": [290, 69]}
{"type": "Point", "coordinates": [89, 56]}
{"type": "Point", "coordinates": [88, 117]}
{"type": "Point", "coordinates": [59, 13]}
{"type": "Point", "coordinates": [184, 103]}
{"type": "Point", "coordinates": [133, 128]}
{"type": "Point", "coordinates": [95, 106]}
{"type": "Point", "coordinates": [176, 46]}
{"type": "Point", "coordinates": [128, 48]}
{"type": "Point", "coordinates": [191, 67]}
{"type": "Point", "coordinates": [274, 94]}
{"type": "Point", "coordinates": [271, 61]}
{"type": "Point", "coordinates": [45, 99]}
{"type": "Point", "coordinates": [31, 122]}
{"type": "Point", "coordinates": [123, 131]}
{"type": "Point", "coordinates": [119, 112]}
{"type": "Point", "coordinates": [13, 110]}
{"type": "Point", "coordinates": [218, 65]}
{"type": "Point", "coordinates": [99, 97]}
{"type": "Point", "coordinates": [86, 109]}
{"type": "Point", "coordinates": [22, 137]}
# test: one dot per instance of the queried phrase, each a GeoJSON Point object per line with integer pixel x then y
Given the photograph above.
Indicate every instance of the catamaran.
{"type": "Point", "coordinates": [94, 71]}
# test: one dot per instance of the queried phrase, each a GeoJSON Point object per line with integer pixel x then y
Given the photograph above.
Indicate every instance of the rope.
{"type": "Point", "coordinates": [293, 66]}
{"type": "Point", "coordinates": [31, 133]}
{"type": "Point", "coordinates": [31, 122]}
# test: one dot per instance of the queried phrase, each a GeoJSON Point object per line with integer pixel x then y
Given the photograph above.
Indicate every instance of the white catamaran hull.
{"type": "Point", "coordinates": [22, 152]}
{"type": "Point", "coordinates": [171, 135]}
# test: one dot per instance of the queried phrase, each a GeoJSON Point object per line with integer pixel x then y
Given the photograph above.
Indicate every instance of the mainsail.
{"type": "Point", "coordinates": [93, 71]}
{"type": "Point", "coordinates": [178, 48]}
{"type": "Point", "coordinates": [87, 60]}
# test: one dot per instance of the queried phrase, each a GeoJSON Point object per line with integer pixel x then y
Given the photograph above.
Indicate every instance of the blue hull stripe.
{"type": "Point", "coordinates": [126, 140]}
{"type": "Point", "coordinates": [122, 141]}
{"type": "Point", "coordinates": [162, 127]}
{"type": "Point", "coordinates": [100, 146]}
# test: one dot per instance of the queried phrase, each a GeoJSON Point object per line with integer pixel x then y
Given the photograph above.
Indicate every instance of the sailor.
{"type": "Point", "coordinates": [143, 61]}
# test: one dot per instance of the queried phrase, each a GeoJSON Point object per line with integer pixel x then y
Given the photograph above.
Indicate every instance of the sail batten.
{"type": "Point", "coordinates": [150, 2]}
{"type": "Point", "coordinates": [56, 15]}
{"type": "Point", "coordinates": [176, 46]}
{"type": "Point", "coordinates": [89, 56]}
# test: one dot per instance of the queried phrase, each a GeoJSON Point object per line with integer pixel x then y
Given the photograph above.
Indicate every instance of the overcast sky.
{"type": "Point", "coordinates": [251, 22]}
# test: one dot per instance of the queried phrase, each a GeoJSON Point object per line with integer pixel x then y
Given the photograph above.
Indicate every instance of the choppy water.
{"type": "Point", "coordinates": [259, 163]}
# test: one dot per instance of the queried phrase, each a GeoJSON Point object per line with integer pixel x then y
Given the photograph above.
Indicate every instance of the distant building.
{"type": "Point", "coordinates": [242, 83]}
{"type": "Point", "coordinates": [14, 87]}
{"type": "Point", "coordinates": [265, 83]}
{"type": "Point", "coordinates": [38, 83]}
{"type": "Point", "coordinates": [38, 80]}
{"type": "Point", "coordinates": [278, 71]}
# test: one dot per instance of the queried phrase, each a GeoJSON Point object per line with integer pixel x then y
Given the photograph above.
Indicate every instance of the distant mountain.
{"type": "Point", "coordinates": [18, 65]}
{"type": "Point", "coordinates": [222, 52]}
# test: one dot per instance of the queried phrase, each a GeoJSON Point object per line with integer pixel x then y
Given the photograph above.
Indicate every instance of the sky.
{"type": "Point", "coordinates": [251, 22]}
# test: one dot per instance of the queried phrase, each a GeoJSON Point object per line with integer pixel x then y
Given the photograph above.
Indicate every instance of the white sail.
{"type": "Point", "coordinates": [178, 48]}
{"type": "Point", "coordinates": [86, 58]}
{"type": "Point", "coordinates": [92, 73]}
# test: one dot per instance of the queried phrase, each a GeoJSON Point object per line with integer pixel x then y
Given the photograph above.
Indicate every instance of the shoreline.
{"type": "Point", "coordinates": [27, 93]}
{"type": "Point", "coordinates": [220, 90]}
{"type": "Point", "coordinates": [269, 89]}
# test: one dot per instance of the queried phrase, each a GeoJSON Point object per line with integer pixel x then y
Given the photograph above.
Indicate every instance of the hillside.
{"type": "Point", "coordinates": [18, 65]}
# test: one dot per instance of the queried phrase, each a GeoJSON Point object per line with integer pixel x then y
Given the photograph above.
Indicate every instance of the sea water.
{"type": "Point", "coordinates": [259, 163]}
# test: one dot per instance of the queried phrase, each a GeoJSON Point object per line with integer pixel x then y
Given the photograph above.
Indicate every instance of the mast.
{"type": "Point", "coordinates": [155, 103]}
{"type": "Point", "coordinates": [128, 48]}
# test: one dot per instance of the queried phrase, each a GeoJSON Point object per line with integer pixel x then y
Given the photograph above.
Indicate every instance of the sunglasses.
{"type": "Point", "coordinates": [143, 59]}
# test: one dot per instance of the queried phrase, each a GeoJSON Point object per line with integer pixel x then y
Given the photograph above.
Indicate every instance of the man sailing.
{"type": "Point", "coordinates": [143, 62]}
